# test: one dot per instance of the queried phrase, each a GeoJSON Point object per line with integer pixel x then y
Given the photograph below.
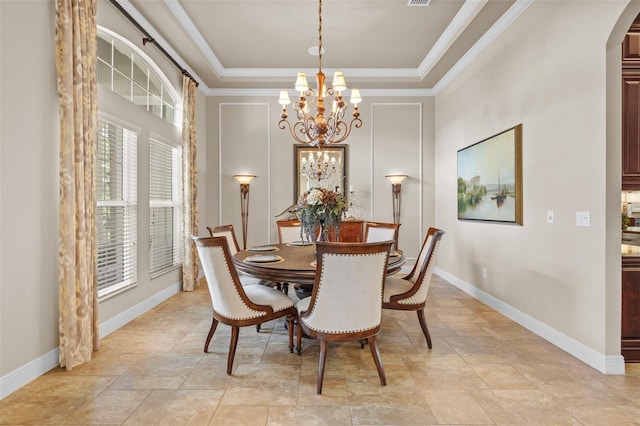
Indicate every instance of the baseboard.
{"type": "Point", "coordinates": [607, 364]}
{"type": "Point", "coordinates": [30, 371]}
{"type": "Point", "coordinates": [111, 325]}
{"type": "Point", "coordinates": [19, 377]}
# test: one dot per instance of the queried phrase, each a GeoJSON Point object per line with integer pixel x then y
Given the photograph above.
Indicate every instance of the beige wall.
{"type": "Point", "coordinates": [549, 75]}
{"type": "Point", "coordinates": [29, 186]}
{"type": "Point", "coordinates": [396, 137]}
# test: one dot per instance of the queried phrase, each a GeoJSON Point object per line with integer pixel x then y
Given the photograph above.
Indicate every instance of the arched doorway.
{"type": "Point", "coordinates": [612, 290]}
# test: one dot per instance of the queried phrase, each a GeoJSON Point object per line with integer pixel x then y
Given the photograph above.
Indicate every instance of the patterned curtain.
{"type": "Point", "coordinates": [189, 184]}
{"type": "Point", "coordinates": [77, 92]}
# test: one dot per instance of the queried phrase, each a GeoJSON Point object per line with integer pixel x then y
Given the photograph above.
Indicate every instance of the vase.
{"type": "Point", "coordinates": [322, 231]}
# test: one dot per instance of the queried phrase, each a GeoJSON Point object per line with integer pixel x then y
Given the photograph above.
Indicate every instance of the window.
{"type": "Point", "coordinates": [165, 206]}
{"type": "Point", "coordinates": [127, 73]}
{"type": "Point", "coordinates": [116, 209]}
{"type": "Point", "coordinates": [139, 232]}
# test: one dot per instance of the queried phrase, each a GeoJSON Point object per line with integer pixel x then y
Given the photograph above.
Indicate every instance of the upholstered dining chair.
{"type": "Point", "coordinates": [228, 232]}
{"type": "Point", "coordinates": [346, 303]}
{"type": "Point", "coordinates": [409, 293]}
{"type": "Point", "coordinates": [289, 231]}
{"type": "Point", "coordinates": [381, 231]}
{"type": "Point", "coordinates": [234, 304]}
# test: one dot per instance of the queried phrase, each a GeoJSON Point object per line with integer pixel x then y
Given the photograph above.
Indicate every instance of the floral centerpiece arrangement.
{"type": "Point", "coordinates": [321, 208]}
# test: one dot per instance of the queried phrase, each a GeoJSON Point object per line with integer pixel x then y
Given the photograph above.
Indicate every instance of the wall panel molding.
{"type": "Point", "coordinates": [252, 118]}
{"type": "Point", "coordinates": [404, 140]}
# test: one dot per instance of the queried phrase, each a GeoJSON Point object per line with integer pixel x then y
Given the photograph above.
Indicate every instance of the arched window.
{"type": "Point", "coordinates": [138, 215]}
{"type": "Point", "coordinates": [126, 70]}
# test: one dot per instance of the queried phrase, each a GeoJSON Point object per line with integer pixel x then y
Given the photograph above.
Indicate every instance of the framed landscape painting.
{"type": "Point", "coordinates": [490, 179]}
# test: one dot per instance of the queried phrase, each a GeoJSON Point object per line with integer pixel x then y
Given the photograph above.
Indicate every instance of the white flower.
{"type": "Point", "coordinates": [314, 197]}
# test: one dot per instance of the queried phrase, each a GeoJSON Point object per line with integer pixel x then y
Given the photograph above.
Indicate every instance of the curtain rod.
{"type": "Point", "coordinates": [149, 39]}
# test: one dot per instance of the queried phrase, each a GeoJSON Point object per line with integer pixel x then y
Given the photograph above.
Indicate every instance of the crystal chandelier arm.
{"type": "Point", "coordinates": [341, 127]}
{"type": "Point", "coordinates": [302, 131]}
{"type": "Point", "coordinates": [284, 124]}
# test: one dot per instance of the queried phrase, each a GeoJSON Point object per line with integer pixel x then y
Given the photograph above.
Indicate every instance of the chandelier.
{"type": "Point", "coordinates": [319, 130]}
{"type": "Point", "coordinates": [319, 168]}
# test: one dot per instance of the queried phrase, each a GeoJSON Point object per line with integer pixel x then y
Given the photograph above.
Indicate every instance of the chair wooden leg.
{"type": "Point", "coordinates": [258, 328]}
{"type": "Point", "coordinates": [373, 345]}
{"type": "Point", "coordinates": [212, 330]}
{"type": "Point", "coordinates": [321, 363]}
{"type": "Point", "coordinates": [235, 331]}
{"type": "Point", "coordinates": [425, 329]}
{"type": "Point", "coordinates": [290, 330]}
{"type": "Point", "coordinates": [298, 336]}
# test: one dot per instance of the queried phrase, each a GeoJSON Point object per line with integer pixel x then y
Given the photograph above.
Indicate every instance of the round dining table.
{"type": "Point", "coordinates": [291, 262]}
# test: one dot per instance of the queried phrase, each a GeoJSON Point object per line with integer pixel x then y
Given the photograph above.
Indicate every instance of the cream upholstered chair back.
{"type": "Point", "coordinates": [233, 304]}
{"type": "Point", "coordinates": [227, 294]}
{"type": "Point", "coordinates": [420, 276]}
{"type": "Point", "coordinates": [380, 231]}
{"type": "Point", "coordinates": [228, 232]}
{"type": "Point", "coordinates": [347, 296]}
{"type": "Point", "coordinates": [346, 303]}
{"type": "Point", "coordinates": [289, 231]}
{"type": "Point", "coordinates": [410, 292]}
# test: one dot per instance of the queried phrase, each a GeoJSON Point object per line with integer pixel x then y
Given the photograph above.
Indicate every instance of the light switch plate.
{"type": "Point", "coordinates": [549, 216]}
{"type": "Point", "coordinates": [583, 219]}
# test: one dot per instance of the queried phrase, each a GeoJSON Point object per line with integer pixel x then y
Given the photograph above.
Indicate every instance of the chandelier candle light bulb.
{"type": "Point", "coordinates": [319, 130]}
{"type": "Point", "coordinates": [319, 168]}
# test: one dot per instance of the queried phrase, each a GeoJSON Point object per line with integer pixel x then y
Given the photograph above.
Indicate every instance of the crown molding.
{"type": "Point", "coordinates": [274, 93]}
{"type": "Point", "coordinates": [187, 24]}
{"type": "Point", "coordinates": [131, 10]}
{"type": "Point", "coordinates": [484, 41]}
{"type": "Point", "coordinates": [460, 22]}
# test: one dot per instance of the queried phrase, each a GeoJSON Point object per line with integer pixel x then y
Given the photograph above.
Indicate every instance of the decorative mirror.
{"type": "Point", "coordinates": [313, 168]}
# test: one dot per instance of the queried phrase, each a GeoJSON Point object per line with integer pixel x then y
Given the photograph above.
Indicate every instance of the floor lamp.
{"type": "Point", "coordinates": [396, 189]}
{"type": "Point", "coordinates": [244, 204]}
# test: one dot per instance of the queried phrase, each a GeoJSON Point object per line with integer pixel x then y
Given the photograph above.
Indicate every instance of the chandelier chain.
{"type": "Point", "coordinates": [320, 36]}
{"type": "Point", "coordinates": [319, 130]}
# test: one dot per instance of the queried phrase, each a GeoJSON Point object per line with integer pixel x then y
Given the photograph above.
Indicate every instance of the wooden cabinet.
{"type": "Point", "coordinates": [631, 130]}
{"type": "Point", "coordinates": [631, 108]}
{"type": "Point", "coordinates": [630, 321]}
{"type": "Point", "coordinates": [630, 327]}
{"type": "Point", "coordinates": [351, 231]}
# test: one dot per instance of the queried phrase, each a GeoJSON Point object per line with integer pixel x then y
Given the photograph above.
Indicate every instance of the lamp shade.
{"type": "Point", "coordinates": [244, 179]}
{"type": "Point", "coordinates": [284, 98]}
{"type": "Point", "coordinates": [339, 83]}
{"type": "Point", "coordinates": [355, 96]}
{"type": "Point", "coordinates": [396, 179]}
{"type": "Point", "coordinates": [301, 82]}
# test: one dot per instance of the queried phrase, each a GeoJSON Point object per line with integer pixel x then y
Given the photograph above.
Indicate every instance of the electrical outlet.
{"type": "Point", "coordinates": [549, 216]}
{"type": "Point", "coordinates": [484, 272]}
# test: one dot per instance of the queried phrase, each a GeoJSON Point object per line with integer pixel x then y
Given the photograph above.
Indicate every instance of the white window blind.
{"type": "Point", "coordinates": [116, 209]}
{"type": "Point", "coordinates": [165, 206]}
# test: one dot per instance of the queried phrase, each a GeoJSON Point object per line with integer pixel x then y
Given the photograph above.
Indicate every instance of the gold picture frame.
{"type": "Point", "coordinates": [337, 156]}
{"type": "Point", "coordinates": [490, 179]}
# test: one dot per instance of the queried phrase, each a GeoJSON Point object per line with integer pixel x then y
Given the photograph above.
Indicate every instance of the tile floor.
{"type": "Point", "coordinates": [483, 369]}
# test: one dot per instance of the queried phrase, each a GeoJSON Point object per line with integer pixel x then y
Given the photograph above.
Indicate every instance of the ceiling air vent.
{"type": "Point", "coordinates": [418, 2]}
